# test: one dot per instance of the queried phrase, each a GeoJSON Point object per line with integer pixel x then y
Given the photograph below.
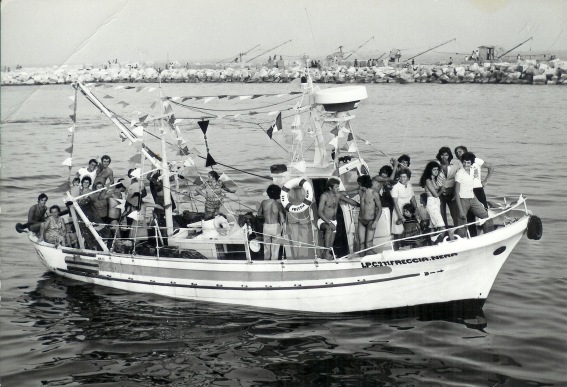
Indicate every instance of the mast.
{"type": "Point", "coordinates": [165, 175]}
{"type": "Point", "coordinates": [432, 48]}
{"type": "Point", "coordinates": [512, 49]}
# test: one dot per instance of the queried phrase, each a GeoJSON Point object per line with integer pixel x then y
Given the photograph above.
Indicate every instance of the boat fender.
{"type": "Point", "coordinates": [535, 228]}
{"type": "Point", "coordinates": [297, 182]}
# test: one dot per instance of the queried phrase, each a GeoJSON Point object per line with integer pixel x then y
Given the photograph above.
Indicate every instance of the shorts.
{"type": "Point", "coordinates": [321, 221]}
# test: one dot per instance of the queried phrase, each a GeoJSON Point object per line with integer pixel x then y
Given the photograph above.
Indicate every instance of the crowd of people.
{"type": "Point", "coordinates": [453, 181]}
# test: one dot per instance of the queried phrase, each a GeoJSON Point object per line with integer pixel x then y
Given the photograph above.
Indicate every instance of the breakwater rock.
{"type": "Point", "coordinates": [523, 72]}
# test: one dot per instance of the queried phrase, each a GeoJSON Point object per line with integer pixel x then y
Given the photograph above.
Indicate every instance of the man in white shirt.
{"type": "Point", "coordinates": [466, 199]}
{"type": "Point", "coordinates": [90, 170]}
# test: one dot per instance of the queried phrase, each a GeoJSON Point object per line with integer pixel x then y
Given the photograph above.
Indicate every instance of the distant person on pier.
{"type": "Point", "coordinates": [104, 173]}
{"type": "Point", "coordinates": [327, 211]}
{"type": "Point", "coordinates": [355, 63]}
{"type": "Point", "coordinates": [274, 217]}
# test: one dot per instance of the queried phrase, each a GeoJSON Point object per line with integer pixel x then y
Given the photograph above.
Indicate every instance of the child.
{"type": "Point", "coordinates": [76, 187]}
{"type": "Point", "coordinates": [72, 239]}
{"type": "Point", "coordinates": [411, 228]}
{"type": "Point", "coordinates": [423, 214]}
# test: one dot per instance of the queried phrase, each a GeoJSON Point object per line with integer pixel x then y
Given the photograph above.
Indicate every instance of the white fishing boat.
{"type": "Point", "coordinates": [220, 260]}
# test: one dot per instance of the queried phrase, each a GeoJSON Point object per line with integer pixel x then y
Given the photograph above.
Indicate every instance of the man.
{"type": "Point", "coordinates": [466, 200]}
{"type": "Point", "coordinates": [274, 216]}
{"type": "Point", "coordinates": [370, 212]}
{"type": "Point", "coordinates": [104, 173]}
{"type": "Point", "coordinates": [90, 170]}
{"type": "Point", "coordinates": [36, 216]}
{"type": "Point", "coordinates": [327, 211]}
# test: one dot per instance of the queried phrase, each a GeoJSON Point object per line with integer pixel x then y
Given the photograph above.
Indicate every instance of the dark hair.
{"type": "Point", "coordinates": [76, 179]}
{"type": "Point", "coordinates": [87, 178]}
{"type": "Point", "coordinates": [331, 182]}
{"type": "Point", "coordinates": [442, 150]}
{"type": "Point", "coordinates": [105, 157]}
{"type": "Point", "coordinates": [468, 156]}
{"type": "Point", "coordinates": [427, 172]}
{"type": "Point", "coordinates": [274, 191]}
{"type": "Point", "coordinates": [461, 147]}
{"type": "Point", "coordinates": [364, 181]}
{"type": "Point", "coordinates": [42, 196]}
{"type": "Point", "coordinates": [423, 196]}
{"type": "Point", "coordinates": [404, 171]}
{"type": "Point", "coordinates": [403, 158]}
{"type": "Point", "coordinates": [215, 175]}
{"type": "Point", "coordinates": [56, 207]}
{"type": "Point", "coordinates": [386, 169]}
{"type": "Point", "coordinates": [93, 161]}
{"type": "Point", "coordinates": [99, 182]}
{"type": "Point", "coordinates": [409, 207]}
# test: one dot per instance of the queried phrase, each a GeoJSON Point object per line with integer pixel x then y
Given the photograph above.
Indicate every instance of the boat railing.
{"type": "Point", "coordinates": [507, 207]}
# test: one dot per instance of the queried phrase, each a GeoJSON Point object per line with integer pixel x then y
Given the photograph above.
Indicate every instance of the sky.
{"type": "Point", "coordinates": [74, 32]}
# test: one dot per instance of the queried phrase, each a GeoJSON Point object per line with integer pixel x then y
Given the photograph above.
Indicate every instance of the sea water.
{"type": "Point", "coordinates": [57, 332]}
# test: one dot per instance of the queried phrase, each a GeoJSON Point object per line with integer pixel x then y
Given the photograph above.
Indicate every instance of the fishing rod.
{"type": "Point", "coordinates": [265, 52]}
{"type": "Point", "coordinates": [433, 48]}
{"type": "Point", "coordinates": [358, 48]}
{"type": "Point", "coordinates": [512, 49]}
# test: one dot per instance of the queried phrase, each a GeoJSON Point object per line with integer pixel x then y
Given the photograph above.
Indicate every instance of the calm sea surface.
{"type": "Point", "coordinates": [56, 332]}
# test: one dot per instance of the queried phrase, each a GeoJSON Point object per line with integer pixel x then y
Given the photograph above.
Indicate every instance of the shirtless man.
{"type": "Point", "coordinates": [370, 212]}
{"type": "Point", "coordinates": [273, 212]}
{"type": "Point", "coordinates": [36, 215]}
{"type": "Point", "coordinates": [104, 173]}
{"type": "Point", "coordinates": [327, 211]}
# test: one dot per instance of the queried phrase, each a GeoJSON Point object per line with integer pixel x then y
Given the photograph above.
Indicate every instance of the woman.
{"type": "Point", "coordinates": [447, 179]}
{"type": "Point", "coordinates": [382, 183]}
{"type": "Point", "coordinates": [430, 182]}
{"type": "Point", "coordinates": [402, 193]}
{"type": "Point", "coordinates": [54, 228]}
{"type": "Point", "coordinates": [213, 191]}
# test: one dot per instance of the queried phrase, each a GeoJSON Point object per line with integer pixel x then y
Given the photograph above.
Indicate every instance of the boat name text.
{"type": "Point", "coordinates": [406, 261]}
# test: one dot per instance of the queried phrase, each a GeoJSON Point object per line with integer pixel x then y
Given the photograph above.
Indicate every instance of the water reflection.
{"type": "Point", "coordinates": [100, 335]}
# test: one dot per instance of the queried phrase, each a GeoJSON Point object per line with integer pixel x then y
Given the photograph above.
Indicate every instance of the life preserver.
{"type": "Point", "coordinates": [535, 228]}
{"type": "Point", "coordinates": [297, 182]}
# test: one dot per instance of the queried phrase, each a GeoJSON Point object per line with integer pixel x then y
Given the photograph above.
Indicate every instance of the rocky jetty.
{"type": "Point", "coordinates": [523, 72]}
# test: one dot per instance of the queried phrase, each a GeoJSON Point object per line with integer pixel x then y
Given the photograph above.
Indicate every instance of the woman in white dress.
{"type": "Point", "coordinates": [434, 188]}
{"type": "Point", "coordinates": [402, 193]}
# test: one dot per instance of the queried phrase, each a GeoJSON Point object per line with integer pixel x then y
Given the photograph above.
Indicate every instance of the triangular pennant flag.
{"type": "Point", "coordinates": [108, 96]}
{"type": "Point", "coordinates": [176, 99]}
{"type": "Point", "coordinates": [221, 96]}
{"type": "Point", "coordinates": [73, 117]}
{"type": "Point", "coordinates": [210, 161]}
{"type": "Point", "coordinates": [256, 96]}
{"type": "Point", "coordinates": [68, 162]}
{"type": "Point", "coordinates": [138, 131]}
{"type": "Point", "coordinates": [270, 131]}
{"type": "Point", "coordinates": [345, 147]}
{"type": "Point", "coordinates": [300, 166]}
{"type": "Point", "coordinates": [224, 177]}
{"type": "Point", "coordinates": [341, 134]}
{"type": "Point", "coordinates": [350, 137]}
{"type": "Point", "coordinates": [71, 129]}
{"type": "Point", "coordinates": [243, 97]}
{"type": "Point", "coordinates": [185, 99]}
{"type": "Point", "coordinates": [142, 118]}
{"type": "Point", "coordinates": [232, 97]}
{"type": "Point", "coordinates": [136, 159]}
{"type": "Point", "coordinates": [272, 113]}
{"type": "Point", "coordinates": [72, 98]}
{"type": "Point", "coordinates": [208, 99]}
{"type": "Point", "coordinates": [133, 215]}
{"type": "Point", "coordinates": [168, 109]}
{"type": "Point", "coordinates": [129, 87]}
{"type": "Point", "coordinates": [277, 126]}
{"type": "Point", "coordinates": [123, 103]}
{"type": "Point", "coordinates": [69, 150]}
{"type": "Point", "coordinates": [121, 204]}
{"type": "Point", "coordinates": [352, 147]}
{"type": "Point", "coordinates": [335, 132]}
{"type": "Point", "coordinates": [198, 98]}
{"type": "Point", "coordinates": [203, 124]}
{"type": "Point", "coordinates": [136, 173]}
{"type": "Point", "coordinates": [367, 142]}
{"type": "Point", "coordinates": [198, 181]}
{"type": "Point", "coordinates": [334, 142]}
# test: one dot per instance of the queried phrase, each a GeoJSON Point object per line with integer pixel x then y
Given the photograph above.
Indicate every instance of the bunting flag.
{"type": "Point", "coordinates": [69, 150]}
{"type": "Point", "coordinates": [203, 124]}
{"type": "Point", "coordinates": [184, 151]}
{"type": "Point", "coordinates": [138, 131]}
{"type": "Point", "coordinates": [133, 215]}
{"type": "Point", "coordinates": [73, 117]}
{"type": "Point", "coordinates": [300, 166]}
{"type": "Point", "coordinates": [224, 177]}
{"type": "Point", "coordinates": [189, 162]}
{"type": "Point", "coordinates": [136, 173]}
{"type": "Point", "coordinates": [276, 127]}
{"type": "Point", "coordinates": [121, 204]}
{"type": "Point", "coordinates": [68, 162]}
{"type": "Point", "coordinates": [210, 161]}
{"type": "Point", "coordinates": [334, 142]}
{"type": "Point", "coordinates": [350, 137]}
{"type": "Point", "coordinates": [335, 131]}
{"type": "Point", "coordinates": [352, 148]}
{"type": "Point", "coordinates": [136, 159]}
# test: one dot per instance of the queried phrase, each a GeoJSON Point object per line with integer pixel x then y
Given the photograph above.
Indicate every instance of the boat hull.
{"type": "Point", "coordinates": [452, 271]}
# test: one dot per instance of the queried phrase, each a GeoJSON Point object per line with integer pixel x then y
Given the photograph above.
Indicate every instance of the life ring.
{"type": "Point", "coordinates": [535, 228]}
{"type": "Point", "coordinates": [297, 182]}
